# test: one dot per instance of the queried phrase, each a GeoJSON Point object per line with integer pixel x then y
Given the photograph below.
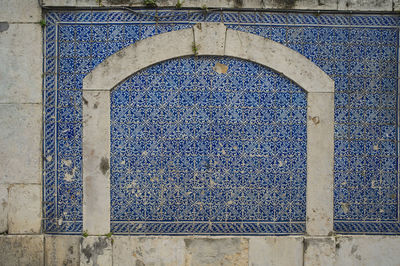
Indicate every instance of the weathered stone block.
{"type": "Point", "coordinates": [21, 250]}
{"type": "Point", "coordinates": [21, 62]}
{"type": "Point", "coordinates": [299, 4]}
{"type": "Point", "coordinates": [64, 3]}
{"type": "Point", "coordinates": [166, 251]}
{"type": "Point", "coordinates": [270, 251]}
{"type": "Point", "coordinates": [20, 11]}
{"type": "Point", "coordinates": [365, 5]}
{"type": "Point", "coordinates": [319, 251]}
{"type": "Point", "coordinates": [20, 151]}
{"type": "Point", "coordinates": [96, 250]}
{"type": "Point", "coordinates": [62, 250]}
{"type": "Point", "coordinates": [396, 5]}
{"type": "Point", "coordinates": [368, 250]}
{"type": "Point", "coordinates": [3, 208]}
{"type": "Point", "coordinates": [24, 215]}
{"type": "Point", "coordinates": [224, 251]}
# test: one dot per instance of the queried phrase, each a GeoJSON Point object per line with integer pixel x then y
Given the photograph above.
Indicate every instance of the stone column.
{"type": "Point", "coordinates": [96, 162]}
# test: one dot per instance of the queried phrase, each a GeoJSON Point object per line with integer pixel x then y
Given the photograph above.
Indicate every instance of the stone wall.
{"type": "Point", "coordinates": [21, 111]}
{"type": "Point", "coordinates": [23, 242]}
{"type": "Point", "coordinates": [129, 250]}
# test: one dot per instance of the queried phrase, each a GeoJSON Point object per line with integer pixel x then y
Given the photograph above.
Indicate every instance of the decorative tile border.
{"type": "Point", "coordinates": [205, 228]}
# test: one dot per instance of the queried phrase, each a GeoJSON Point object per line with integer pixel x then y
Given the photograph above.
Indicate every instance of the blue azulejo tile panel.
{"type": "Point", "coordinates": [198, 152]}
{"type": "Point", "coordinates": [360, 52]}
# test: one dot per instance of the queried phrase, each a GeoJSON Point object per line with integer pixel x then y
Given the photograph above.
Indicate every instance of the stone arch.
{"type": "Point", "coordinates": [207, 39]}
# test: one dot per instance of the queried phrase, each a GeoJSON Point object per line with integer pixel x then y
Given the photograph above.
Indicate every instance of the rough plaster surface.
{"type": "Point", "coordinates": [21, 61]}
{"type": "Point", "coordinates": [3, 208]}
{"type": "Point", "coordinates": [128, 250]}
{"type": "Point", "coordinates": [62, 250]}
{"type": "Point", "coordinates": [371, 5]}
{"type": "Point", "coordinates": [96, 251]}
{"type": "Point", "coordinates": [224, 251]}
{"type": "Point", "coordinates": [21, 250]}
{"type": "Point", "coordinates": [96, 162]}
{"type": "Point", "coordinates": [20, 11]}
{"type": "Point", "coordinates": [271, 251]}
{"type": "Point", "coordinates": [20, 143]}
{"type": "Point", "coordinates": [24, 211]}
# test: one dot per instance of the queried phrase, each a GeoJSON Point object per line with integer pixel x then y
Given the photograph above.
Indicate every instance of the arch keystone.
{"type": "Point", "coordinates": [209, 38]}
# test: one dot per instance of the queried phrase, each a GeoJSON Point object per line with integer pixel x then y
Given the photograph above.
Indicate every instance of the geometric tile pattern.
{"type": "Point", "coordinates": [208, 153]}
{"type": "Point", "coordinates": [366, 131]}
{"type": "Point", "coordinates": [360, 52]}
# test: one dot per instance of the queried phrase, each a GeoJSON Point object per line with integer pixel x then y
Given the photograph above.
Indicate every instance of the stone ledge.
{"type": "Point", "coordinates": [349, 5]}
